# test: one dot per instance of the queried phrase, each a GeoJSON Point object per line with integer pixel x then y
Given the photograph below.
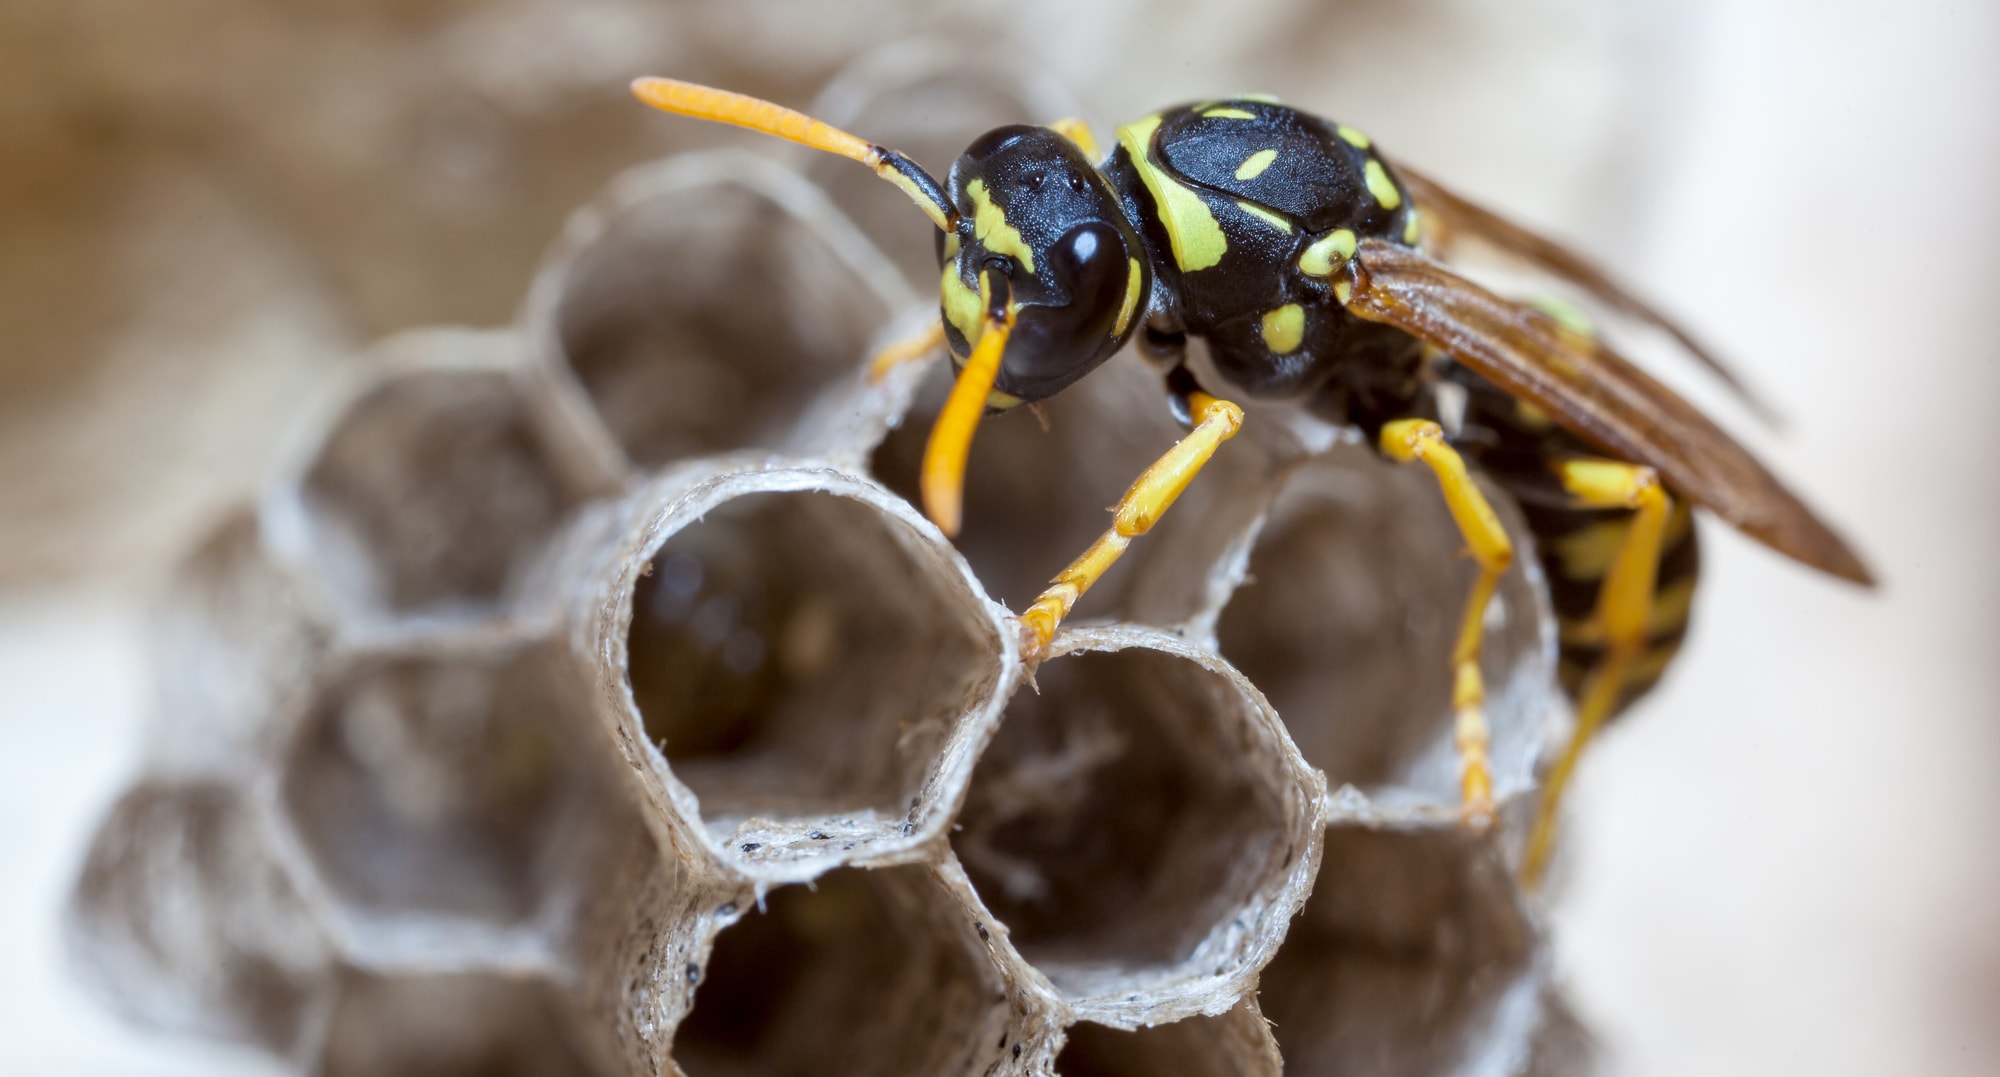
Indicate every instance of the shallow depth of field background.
{"type": "Point", "coordinates": [1781, 863]}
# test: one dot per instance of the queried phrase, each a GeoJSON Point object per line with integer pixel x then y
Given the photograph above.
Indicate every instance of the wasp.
{"type": "Point", "coordinates": [1312, 265]}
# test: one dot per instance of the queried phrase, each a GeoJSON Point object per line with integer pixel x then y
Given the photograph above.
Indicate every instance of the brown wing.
{"type": "Point", "coordinates": [1594, 393]}
{"type": "Point", "coordinates": [1458, 215]}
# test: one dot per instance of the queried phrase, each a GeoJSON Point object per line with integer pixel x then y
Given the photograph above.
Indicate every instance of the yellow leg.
{"type": "Point", "coordinates": [1623, 616]}
{"type": "Point", "coordinates": [1077, 130]}
{"type": "Point", "coordinates": [921, 344]}
{"type": "Point", "coordinates": [1420, 439]}
{"type": "Point", "coordinates": [1148, 498]}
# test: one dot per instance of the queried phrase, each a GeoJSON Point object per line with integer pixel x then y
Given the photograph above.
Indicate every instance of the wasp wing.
{"type": "Point", "coordinates": [1453, 214]}
{"type": "Point", "coordinates": [1594, 393]}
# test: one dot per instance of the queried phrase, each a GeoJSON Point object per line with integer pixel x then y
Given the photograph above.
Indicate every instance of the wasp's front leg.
{"type": "Point", "coordinates": [1421, 439]}
{"type": "Point", "coordinates": [1215, 421]}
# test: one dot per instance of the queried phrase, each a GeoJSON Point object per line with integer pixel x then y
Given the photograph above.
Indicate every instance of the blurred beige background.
{"type": "Point", "coordinates": [1781, 862]}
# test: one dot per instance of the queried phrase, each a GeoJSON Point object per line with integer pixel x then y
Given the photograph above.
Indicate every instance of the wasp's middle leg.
{"type": "Point", "coordinates": [1215, 421]}
{"type": "Point", "coordinates": [1421, 439]}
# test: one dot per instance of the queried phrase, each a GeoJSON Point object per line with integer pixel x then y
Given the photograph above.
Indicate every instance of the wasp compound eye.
{"type": "Point", "coordinates": [1054, 345]}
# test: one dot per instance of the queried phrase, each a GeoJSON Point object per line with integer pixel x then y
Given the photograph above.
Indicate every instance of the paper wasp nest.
{"type": "Point", "coordinates": [587, 697]}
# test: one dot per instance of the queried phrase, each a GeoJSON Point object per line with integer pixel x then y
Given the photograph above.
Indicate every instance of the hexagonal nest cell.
{"type": "Point", "coordinates": [1416, 955]}
{"type": "Point", "coordinates": [446, 786]}
{"type": "Point", "coordinates": [706, 305]}
{"type": "Point", "coordinates": [1347, 618]}
{"type": "Point", "coordinates": [434, 489]}
{"type": "Point", "coordinates": [590, 697]}
{"type": "Point", "coordinates": [864, 972]}
{"type": "Point", "coordinates": [1235, 1044]}
{"type": "Point", "coordinates": [1135, 822]}
{"type": "Point", "coordinates": [455, 1025]}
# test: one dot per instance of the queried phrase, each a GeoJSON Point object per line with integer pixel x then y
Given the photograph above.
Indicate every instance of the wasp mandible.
{"type": "Point", "coordinates": [1304, 258]}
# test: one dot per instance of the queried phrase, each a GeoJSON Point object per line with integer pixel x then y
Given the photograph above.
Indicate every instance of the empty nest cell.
{"type": "Point", "coordinates": [1414, 957]}
{"type": "Point", "coordinates": [705, 305]}
{"type": "Point", "coordinates": [864, 972]}
{"type": "Point", "coordinates": [434, 489]}
{"type": "Point", "coordinates": [184, 917]}
{"type": "Point", "coordinates": [1038, 488]}
{"type": "Point", "coordinates": [1139, 828]}
{"type": "Point", "coordinates": [1235, 1044]}
{"type": "Point", "coordinates": [453, 784]}
{"type": "Point", "coordinates": [455, 1025]}
{"type": "Point", "coordinates": [803, 659]}
{"type": "Point", "coordinates": [238, 650]}
{"type": "Point", "coordinates": [1347, 618]}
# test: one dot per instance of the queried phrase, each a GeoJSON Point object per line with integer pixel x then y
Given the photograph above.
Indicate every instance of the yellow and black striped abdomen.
{"type": "Point", "coordinates": [1576, 548]}
{"type": "Point", "coordinates": [1519, 447]}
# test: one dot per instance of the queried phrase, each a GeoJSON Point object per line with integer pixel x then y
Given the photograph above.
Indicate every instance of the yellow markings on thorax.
{"type": "Point", "coordinates": [1284, 328]}
{"type": "Point", "coordinates": [1228, 114]}
{"type": "Point", "coordinates": [1000, 401]}
{"type": "Point", "coordinates": [1265, 215]}
{"type": "Point", "coordinates": [1380, 185]}
{"type": "Point", "coordinates": [990, 227]}
{"type": "Point", "coordinates": [1192, 230]}
{"type": "Point", "coordinates": [1133, 277]}
{"type": "Point", "coordinates": [961, 304]}
{"type": "Point", "coordinates": [1413, 229]}
{"type": "Point", "coordinates": [1255, 164]}
{"type": "Point", "coordinates": [1351, 136]}
{"type": "Point", "coordinates": [1327, 253]}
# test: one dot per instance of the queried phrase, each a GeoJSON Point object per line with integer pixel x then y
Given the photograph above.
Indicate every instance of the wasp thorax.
{"type": "Point", "coordinates": [1037, 215]}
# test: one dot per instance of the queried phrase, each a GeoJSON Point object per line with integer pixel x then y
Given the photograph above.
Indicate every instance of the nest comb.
{"type": "Point", "coordinates": [587, 696]}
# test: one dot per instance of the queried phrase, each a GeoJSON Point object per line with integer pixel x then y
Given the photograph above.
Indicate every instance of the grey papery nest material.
{"type": "Point", "coordinates": [587, 697]}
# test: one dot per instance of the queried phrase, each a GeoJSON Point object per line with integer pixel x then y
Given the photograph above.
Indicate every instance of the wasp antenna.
{"type": "Point", "coordinates": [943, 479]}
{"type": "Point", "coordinates": [757, 114]}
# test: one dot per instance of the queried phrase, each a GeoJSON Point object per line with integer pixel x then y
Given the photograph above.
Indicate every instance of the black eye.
{"type": "Point", "coordinates": [1034, 180]}
{"type": "Point", "coordinates": [1075, 181]}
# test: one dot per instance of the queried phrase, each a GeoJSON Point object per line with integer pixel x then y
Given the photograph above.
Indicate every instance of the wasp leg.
{"type": "Point", "coordinates": [921, 344]}
{"type": "Point", "coordinates": [1421, 439]}
{"type": "Point", "coordinates": [1148, 498]}
{"type": "Point", "coordinates": [1623, 617]}
{"type": "Point", "coordinates": [1077, 130]}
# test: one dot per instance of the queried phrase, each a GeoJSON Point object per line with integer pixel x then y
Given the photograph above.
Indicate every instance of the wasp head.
{"type": "Point", "coordinates": [1033, 211]}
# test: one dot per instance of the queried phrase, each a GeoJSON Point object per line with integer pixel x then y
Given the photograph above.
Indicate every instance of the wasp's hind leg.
{"type": "Point", "coordinates": [1215, 421]}
{"type": "Point", "coordinates": [1421, 439]}
{"type": "Point", "coordinates": [1623, 621]}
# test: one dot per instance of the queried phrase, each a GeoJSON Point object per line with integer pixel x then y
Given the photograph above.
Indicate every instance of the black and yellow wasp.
{"type": "Point", "coordinates": [1304, 258]}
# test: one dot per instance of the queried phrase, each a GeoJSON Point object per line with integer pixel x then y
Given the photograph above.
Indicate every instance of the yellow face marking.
{"type": "Point", "coordinates": [1255, 164]}
{"type": "Point", "coordinates": [1266, 216]}
{"type": "Point", "coordinates": [1131, 303]}
{"type": "Point", "coordinates": [1192, 231]}
{"type": "Point", "coordinates": [1379, 185]}
{"type": "Point", "coordinates": [1327, 253]}
{"type": "Point", "coordinates": [961, 304]}
{"type": "Point", "coordinates": [990, 227]}
{"type": "Point", "coordinates": [1351, 136]}
{"type": "Point", "coordinates": [1284, 328]}
{"type": "Point", "coordinates": [1412, 229]}
{"type": "Point", "coordinates": [1228, 114]}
